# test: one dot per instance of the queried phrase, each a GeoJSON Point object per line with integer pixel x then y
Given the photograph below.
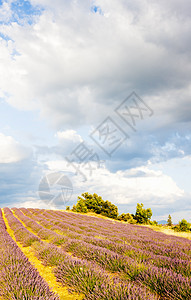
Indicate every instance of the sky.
{"type": "Point", "coordinates": [95, 97]}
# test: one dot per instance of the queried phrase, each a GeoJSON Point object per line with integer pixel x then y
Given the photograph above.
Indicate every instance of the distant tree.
{"type": "Point", "coordinates": [184, 225]}
{"type": "Point", "coordinates": [143, 215]}
{"type": "Point", "coordinates": [169, 221]}
{"type": "Point", "coordinates": [125, 217]}
{"type": "Point", "coordinates": [154, 222]}
{"type": "Point", "coordinates": [74, 208]}
{"type": "Point", "coordinates": [67, 207]}
{"type": "Point", "coordinates": [95, 203]}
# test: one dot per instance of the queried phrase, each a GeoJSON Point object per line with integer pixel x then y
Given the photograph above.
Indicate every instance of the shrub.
{"type": "Point", "coordinates": [182, 226]}
{"type": "Point", "coordinates": [154, 222]}
{"type": "Point", "coordinates": [126, 217]}
{"type": "Point", "coordinates": [74, 208]}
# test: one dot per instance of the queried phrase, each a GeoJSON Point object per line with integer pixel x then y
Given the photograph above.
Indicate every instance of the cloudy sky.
{"type": "Point", "coordinates": [99, 93]}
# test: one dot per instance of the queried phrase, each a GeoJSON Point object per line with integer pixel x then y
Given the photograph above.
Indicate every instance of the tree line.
{"type": "Point", "coordinates": [94, 203]}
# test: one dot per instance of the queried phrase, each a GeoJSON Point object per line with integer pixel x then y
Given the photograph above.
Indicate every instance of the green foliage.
{"type": "Point", "coordinates": [95, 203]}
{"type": "Point", "coordinates": [143, 215]}
{"type": "Point", "coordinates": [169, 221]}
{"type": "Point", "coordinates": [67, 207]}
{"type": "Point", "coordinates": [127, 218]}
{"type": "Point", "coordinates": [81, 206]}
{"type": "Point", "coordinates": [74, 208]}
{"type": "Point", "coordinates": [109, 210]}
{"type": "Point", "coordinates": [182, 226]}
{"type": "Point", "coordinates": [154, 222]}
{"type": "Point", "coordinates": [132, 221]}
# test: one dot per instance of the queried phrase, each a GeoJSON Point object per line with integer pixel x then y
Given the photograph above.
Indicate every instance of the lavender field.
{"type": "Point", "coordinates": [90, 257]}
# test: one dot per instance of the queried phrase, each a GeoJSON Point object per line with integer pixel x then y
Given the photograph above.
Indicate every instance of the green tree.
{"type": "Point", "coordinates": [81, 206]}
{"type": "Point", "coordinates": [154, 222]}
{"type": "Point", "coordinates": [143, 215]}
{"type": "Point", "coordinates": [184, 225]}
{"type": "Point", "coordinates": [125, 217]}
{"type": "Point", "coordinates": [109, 210]}
{"type": "Point", "coordinates": [74, 208]}
{"type": "Point", "coordinates": [95, 203]}
{"type": "Point", "coordinates": [169, 221]}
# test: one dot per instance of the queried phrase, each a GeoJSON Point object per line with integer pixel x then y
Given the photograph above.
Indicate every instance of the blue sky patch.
{"type": "Point", "coordinates": [23, 11]}
{"type": "Point", "coordinates": [23, 8]}
{"type": "Point", "coordinates": [96, 9]}
{"type": "Point", "coordinates": [4, 37]}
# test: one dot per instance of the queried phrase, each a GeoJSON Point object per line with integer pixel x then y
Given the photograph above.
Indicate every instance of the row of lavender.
{"type": "Point", "coordinates": [175, 258]}
{"type": "Point", "coordinates": [82, 276]}
{"type": "Point", "coordinates": [18, 278]}
{"type": "Point", "coordinates": [169, 277]}
{"type": "Point", "coordinates": [119, 232]}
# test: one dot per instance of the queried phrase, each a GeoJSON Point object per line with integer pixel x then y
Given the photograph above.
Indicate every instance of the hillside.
{"type": "Point", "coordinates": [53, 255]}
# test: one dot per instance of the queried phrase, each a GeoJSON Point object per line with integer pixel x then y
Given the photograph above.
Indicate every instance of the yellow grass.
{"type": "Point", "coordinates": [170, 231]}
{"type": "Point", "coordinates": [44, 271]}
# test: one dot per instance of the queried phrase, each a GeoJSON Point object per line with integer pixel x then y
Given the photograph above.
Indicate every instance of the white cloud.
{"type": "Point", "coordinates": [69, 135]}
{"type": "Point", "coordinates": [124, 187]}
{"type": "Point", "coordinates": [11, 151]}
{"type": "Point", "coordinates": [32, 202]}
{"type": "Point", "coordinates": [74, 64]}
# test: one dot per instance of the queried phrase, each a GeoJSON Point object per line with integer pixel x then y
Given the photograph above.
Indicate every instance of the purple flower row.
{"type": "Point", "coordinates": [137, 236]}
{"type": "Point", "coordinates": [174, 286]}
{"type": "Point", "coordinates": [18, 278]}
{"type": "Point", "coordinates": [43, 233]}
{"type": "Point", "coordinates": [141, 255]}
{"type": "Point", "coordinates": [21, 233]}
{"type": "Point", "coordinates": [88, 278]}
{"type": "Point", "coordinates": [91, 277]}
